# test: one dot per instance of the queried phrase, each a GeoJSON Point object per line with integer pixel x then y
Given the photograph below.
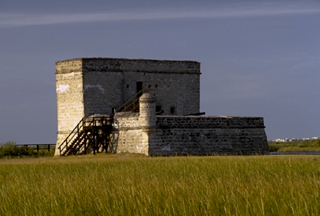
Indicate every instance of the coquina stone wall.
{"type": "Point", "coordinates": [87, 86]}
{"type": "Point", "coordinates": [109, 82]}
{"type": "Point", "coordinates": [177, 93]}
{"type": "Point", "coordinates": [128, 135]}
{"type": "Point", "coordinates": [102, 92]}
{"type": "Point", "coordinates": [193, 135]}
{"type": "Point", "coordinates": [149, 134]}
{"type": "Point", "coordinates": [69, 90]}
{"type": "Point", "coordinates": [208, 135]}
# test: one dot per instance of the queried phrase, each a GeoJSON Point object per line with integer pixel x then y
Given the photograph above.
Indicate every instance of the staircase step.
{"type": "Point", "coordinates": [84, 131]}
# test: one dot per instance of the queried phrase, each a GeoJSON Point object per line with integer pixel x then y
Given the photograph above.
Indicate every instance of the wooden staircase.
{"type": "Point", "coordinates": [90, 134]}
{"type": "Point", "coordinates": [132, 105]}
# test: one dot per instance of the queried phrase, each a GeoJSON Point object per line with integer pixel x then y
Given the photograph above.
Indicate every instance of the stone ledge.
{"type": "Point", "coordinates": [210, 122]}
{"type": "Point", "coordinates": [127, 65]}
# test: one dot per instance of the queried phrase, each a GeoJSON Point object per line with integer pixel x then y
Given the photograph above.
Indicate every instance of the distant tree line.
{"type": "Point", "coordinates": [305, 145]}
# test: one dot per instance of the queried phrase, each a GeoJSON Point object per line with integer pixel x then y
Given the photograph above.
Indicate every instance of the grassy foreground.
{"type": "Point", "coordinates": [138, 185]}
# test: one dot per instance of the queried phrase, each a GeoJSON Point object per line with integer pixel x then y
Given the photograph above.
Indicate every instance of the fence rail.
{"type": "Point", "coordinates": [39, 147]}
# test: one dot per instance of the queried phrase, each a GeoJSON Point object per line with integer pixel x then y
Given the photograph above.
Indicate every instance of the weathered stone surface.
{"type": "Point", "coordinates": [70, 103]}
{"type": "Point", "coordinates": [130, 136]}
{"type": "Point", "coordinates": [127, 65]}
{"type": "Point", "coordinates": [208, 135]}
{"type": "Point", "coordinates": [195, 136]}
{"type": "Point", "coordinates": [147, 117]}
{"type": "Point", "coordinates": [87, 86]}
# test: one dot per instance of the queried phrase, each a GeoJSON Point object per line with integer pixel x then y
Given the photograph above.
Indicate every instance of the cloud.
{"type": "Point", "coordinates": [304, 64]}
{"type": "Point", "coordinates": [11, 20]}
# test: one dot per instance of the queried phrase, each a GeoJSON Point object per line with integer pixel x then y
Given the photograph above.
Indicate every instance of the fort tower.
{"type": "Point", "coordinates": [98, 107]}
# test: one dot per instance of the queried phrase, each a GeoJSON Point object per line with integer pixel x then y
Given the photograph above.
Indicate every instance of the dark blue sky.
{"type": "Point", "coordinates": [258, 58]}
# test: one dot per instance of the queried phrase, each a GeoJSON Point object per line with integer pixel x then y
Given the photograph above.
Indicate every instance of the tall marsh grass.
{"type": "Point", "coordinates": [137, 185]}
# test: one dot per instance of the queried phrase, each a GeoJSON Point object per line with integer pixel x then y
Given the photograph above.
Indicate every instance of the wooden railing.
{"type": "Point", "coordinates": [73, 141]}
{"type": "Point", "coordinates": [38, 147]}
{"type": "Point", "coordinates": [71, 137]}
{"type": "Point", "coordinates": [132, 105]}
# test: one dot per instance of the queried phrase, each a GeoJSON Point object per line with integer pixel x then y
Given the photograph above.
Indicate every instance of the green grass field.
{"type": "Point", "coordinates": [139, 185]}
{"type": "Point", "coordinates": [296, 146]}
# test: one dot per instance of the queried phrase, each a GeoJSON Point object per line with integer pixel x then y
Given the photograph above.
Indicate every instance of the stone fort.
{"type": "Point", "coordinates": [150, 107]}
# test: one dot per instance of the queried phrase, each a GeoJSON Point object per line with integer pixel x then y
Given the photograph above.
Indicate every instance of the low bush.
{"type": "Point", "coordinates": [11, 149]}
{"type": "Point", "coordinates": [305, 145]}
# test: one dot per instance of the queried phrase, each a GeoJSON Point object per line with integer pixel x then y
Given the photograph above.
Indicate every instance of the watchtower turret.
{"type": "Point", "coordinates": [147, 118]}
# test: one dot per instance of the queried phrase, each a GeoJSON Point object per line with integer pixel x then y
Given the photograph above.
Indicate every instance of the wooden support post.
{"type": "Point", "coordinates": [38, 148]}
{"type": "Point", "coordinates": [98, 140]}
{"type": "Point", "coordinates": [95, 142]}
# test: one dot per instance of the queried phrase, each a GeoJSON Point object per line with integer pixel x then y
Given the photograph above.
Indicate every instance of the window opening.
{"type": "Point", "coordinates": [139, 88]}
{"type": "Point", "coordinates": [172, 110]}
{"type": "Point", "coordinates": [158, 109]}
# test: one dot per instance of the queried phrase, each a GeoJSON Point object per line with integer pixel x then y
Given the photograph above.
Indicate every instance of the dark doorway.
{"type": "Point", "coordinates": [139, 89]}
